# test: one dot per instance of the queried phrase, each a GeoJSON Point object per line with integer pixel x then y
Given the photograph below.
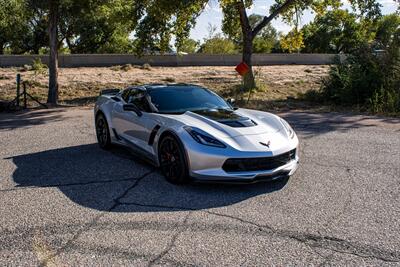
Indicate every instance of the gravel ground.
{"type": "Point", "coordinates": [65, 202]}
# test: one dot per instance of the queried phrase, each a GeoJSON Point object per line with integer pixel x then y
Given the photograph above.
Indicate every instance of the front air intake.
{"type": "Point", "coordinates": [258, 164]}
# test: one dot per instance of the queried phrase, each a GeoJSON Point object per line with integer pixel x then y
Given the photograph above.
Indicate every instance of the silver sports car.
{"type": "Point", "coordinates": [191, 133]}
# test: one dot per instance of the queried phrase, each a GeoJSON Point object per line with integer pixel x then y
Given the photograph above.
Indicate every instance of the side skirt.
{"type": "Point", "coordinates": [135, 149]}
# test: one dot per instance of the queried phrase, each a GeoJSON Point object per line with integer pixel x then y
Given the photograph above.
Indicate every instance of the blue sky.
{"type": "Point", "coordinates": [213, 15]}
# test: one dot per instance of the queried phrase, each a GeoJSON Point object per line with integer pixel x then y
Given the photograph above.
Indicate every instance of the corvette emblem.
{"type": "Point", "coordinates": [266, 144]}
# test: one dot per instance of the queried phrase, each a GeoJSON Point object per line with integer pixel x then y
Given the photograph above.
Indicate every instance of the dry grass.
{"type": "Point", "coordinates": [80, 86]}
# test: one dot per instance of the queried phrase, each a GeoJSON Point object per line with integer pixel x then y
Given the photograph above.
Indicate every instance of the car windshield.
{"type": "Point", "coordinates": [179, 99]}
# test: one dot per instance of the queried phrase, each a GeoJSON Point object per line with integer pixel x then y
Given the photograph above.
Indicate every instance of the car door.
{"type": "Point", "coordinates": [132, 128]}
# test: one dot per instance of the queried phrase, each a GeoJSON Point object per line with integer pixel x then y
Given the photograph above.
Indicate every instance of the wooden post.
{"type": "Point", "coordinates": [18, 88]}
{"type": "Point", "coordinates": [25, 106]}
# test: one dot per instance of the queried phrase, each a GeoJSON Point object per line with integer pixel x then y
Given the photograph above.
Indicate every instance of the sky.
{"type": "Point", "coordinates": [213, 14]}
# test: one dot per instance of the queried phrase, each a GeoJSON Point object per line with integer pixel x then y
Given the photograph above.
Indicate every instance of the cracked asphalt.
{"type": "Point", "coordinates": [65, 202]}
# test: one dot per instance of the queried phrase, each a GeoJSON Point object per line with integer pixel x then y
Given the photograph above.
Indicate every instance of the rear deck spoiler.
{"type": "Point", "coordinates": [109, 91]}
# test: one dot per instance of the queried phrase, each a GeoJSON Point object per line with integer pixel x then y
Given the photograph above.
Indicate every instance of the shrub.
{"type": "Point", "coordinates": [38, 67]}
{"type": "Point", "coordinates": [115, 68]}
{"type": "Point", "coordinates": [126, 67]}
{"type": "Point", "coordinates": [366, 78]}
{"type": "Point", "coordinates": [146, 66]}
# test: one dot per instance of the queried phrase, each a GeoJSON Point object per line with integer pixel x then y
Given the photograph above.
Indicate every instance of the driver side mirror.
{"type": "Point", "coordinates": [134, 108]}
{"type": "Point", "coordinates": [232, 102]}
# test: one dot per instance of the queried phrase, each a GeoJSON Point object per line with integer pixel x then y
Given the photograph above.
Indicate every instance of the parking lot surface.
{"type": "Point", "coordinates": [65, 202]}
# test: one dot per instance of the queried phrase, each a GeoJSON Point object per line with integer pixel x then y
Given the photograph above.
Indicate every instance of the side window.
{"type": "Point", "coordinates": [136, 97]}
{"type": "Point", "coordinates": [125, 95]}
{"type": "Point", "coordinates": [140, 101]}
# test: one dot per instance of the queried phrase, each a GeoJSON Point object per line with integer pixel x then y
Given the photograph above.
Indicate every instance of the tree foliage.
{"type": "Point", "coordinates": [293, 41]}
{"type": "Point", "coordinates": [188, 46]}
{"type": "Point", "coordinates": [97, 26]}
{"type": "Point", "coordinates": [337, 31]}
{"type": "Point", "coordinates": [14, 26]}
{"type": "Point", "coordinates": [218, 44]}
{"type": "Point", "coordinates": [264, 42]}
{"type": "Point", "coordinates": [93, 26]}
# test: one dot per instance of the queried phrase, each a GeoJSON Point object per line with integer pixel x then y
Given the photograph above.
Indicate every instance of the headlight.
{"type": "Point", "coordinates": [288, 129]}
{"type": "Point", "coordinates": [203, 138]}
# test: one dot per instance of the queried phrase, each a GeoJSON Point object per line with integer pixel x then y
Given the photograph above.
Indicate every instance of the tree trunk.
{"type": "Point", "coordinates": [52, 96]}
{"type": "Point", "coordinates": [248, 36]}
{"type": "Point", "coordinates": [248, 79]}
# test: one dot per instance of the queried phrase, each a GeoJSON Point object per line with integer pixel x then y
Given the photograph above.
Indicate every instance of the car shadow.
{"type": "Point", "coordinates": [28, 118]}
{"type": "Point", "coordinates": [94, 178]}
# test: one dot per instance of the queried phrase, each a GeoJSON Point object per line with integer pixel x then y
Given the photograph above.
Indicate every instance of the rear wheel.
{"type": "Point", "coordinates": [172, 160]}
{"type": "Point", "coordinates": [103, 132]}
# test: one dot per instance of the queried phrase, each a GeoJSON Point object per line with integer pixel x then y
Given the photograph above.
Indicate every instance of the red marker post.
{"type": "Point", "coordinates": [242, 68]}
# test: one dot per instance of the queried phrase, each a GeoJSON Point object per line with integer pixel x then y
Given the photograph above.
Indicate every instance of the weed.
{"type": "Point", "coordinates": [146, 66]}
{"type": "Point", "coordinates": [38, 67]}
{"type": "Point", "coordinates": [126, 67]}
{"type": "Point", "coordinates": [115, 68]}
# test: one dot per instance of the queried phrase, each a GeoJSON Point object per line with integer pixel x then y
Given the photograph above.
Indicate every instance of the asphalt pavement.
{"type": "Point", "coordinates": [65, 202]}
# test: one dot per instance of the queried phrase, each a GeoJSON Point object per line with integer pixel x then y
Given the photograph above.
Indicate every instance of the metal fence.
{"type": "Point", "coordinates": [106, 60]}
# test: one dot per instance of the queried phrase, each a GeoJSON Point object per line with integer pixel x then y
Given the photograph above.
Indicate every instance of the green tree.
{"type": "Point", "coordinates": [188, 46]}
{"type": "Point", "coordinates": [335, 32]}
{"type": "Point", "coordinates": [218, 44]}
{"type": "Point", "coordinates": [51, 9]}
{"type": "Point", "coordinates": [160, 19]}
{"type": "Point", "coordinates": [13, 24]}
{"type": "Point", "coordinates": [292, 42]}
{"type": "Point", "coordinates": [388, 31]}
{"type": "Point", "coordinates": [101, 26]}
{"type": "Point", "coordinates": [264, 42]}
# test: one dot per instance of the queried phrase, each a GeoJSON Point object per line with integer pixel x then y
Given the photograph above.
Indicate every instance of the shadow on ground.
{"type": "Point", "coordinates": [88, 175]}
{"type": "Point", "coordinates": [310, 124]}
{"type": "Point", "coordinates": [22, 119]}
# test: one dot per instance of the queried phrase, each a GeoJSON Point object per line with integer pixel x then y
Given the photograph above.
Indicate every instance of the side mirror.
{"type": "Point", "coordinates": [132, 107]}
{"type": "Point", "coordinates": [232, 102]}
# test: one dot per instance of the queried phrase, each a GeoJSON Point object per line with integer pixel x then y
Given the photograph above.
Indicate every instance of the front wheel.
{"type": "Point", "coordinates": [172, 160]}
{"type": "Point", "coordinates": [103, 132]}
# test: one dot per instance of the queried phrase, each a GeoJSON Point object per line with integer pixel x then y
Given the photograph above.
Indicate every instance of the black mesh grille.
{"type": "Point", "coordinates": [258, 164]}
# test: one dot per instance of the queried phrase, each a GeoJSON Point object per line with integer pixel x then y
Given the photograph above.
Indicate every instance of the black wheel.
{"type": "Point", "coordinates": [102, 132]}
{"type": "Point", "coordinates": [172, 160]}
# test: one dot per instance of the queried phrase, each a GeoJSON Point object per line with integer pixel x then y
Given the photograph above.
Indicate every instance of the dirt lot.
{"type": "Point", "coordinates": [80, 86]}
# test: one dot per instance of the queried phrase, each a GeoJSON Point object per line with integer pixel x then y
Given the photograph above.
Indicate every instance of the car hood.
{"type": "Point", "coordinates": [241, 122]}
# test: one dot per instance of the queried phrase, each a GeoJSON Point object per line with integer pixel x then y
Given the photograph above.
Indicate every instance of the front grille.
{"type": "Point", "coordinates": [258, 164]}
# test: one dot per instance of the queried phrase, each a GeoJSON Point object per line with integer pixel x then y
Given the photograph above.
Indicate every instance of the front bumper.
{"type": "Point", "coordinates": [219, 175]}
{"type": "Point", "coordinates": [206, 163]}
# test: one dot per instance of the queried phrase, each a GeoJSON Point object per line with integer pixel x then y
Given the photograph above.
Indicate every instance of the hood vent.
{"type": "Point", "coordinates": [227, 117]}
{"type": "Point", "coordinates": [239, 123]}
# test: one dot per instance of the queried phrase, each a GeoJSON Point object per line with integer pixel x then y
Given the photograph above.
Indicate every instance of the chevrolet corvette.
{"type": "Point", "coordinates": [191, 133]}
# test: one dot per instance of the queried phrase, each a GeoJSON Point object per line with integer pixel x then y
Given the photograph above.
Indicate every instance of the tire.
{"type": "Point", "coordinates": [172, 160]}
{"type": "Point", "coordinates": [103, 132]}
